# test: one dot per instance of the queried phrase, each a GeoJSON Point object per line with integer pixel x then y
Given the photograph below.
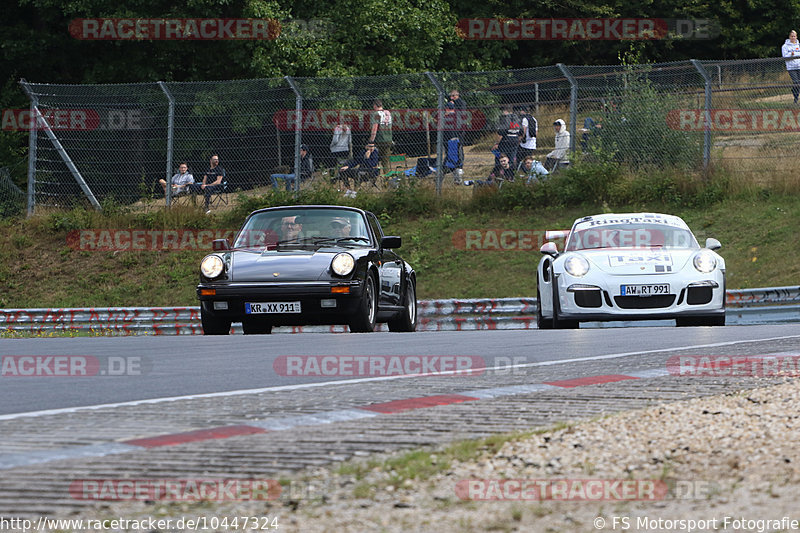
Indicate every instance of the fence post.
{"type": "Point", "coordinates": [536, 96]}
{"type": "Point", "coordinates": [573, 105]}
{"type": "Point", "coordinates": [32, 139]}
{"type": "Point", "coordinates": [298, 131]}
{"type": "Point", "coordinates": [440, 157]}
{"type": "Point", "coordinates": [36, 119]}
{"type": "Point", "coordinates": [707, 113]}
{"type": "Point", "coordinates": [170, 140]}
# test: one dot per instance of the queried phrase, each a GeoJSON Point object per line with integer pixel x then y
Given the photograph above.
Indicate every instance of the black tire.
{"type": "Point", "coordinates": [364, 319]}
{"type": "Point", "coordinates": [252, 326]}
{"type": "Point", "coordinates": [213, 325]}
{"type": "Point", "coordinates": [406, 321]}
{"type": "Point", "coordinates": [559, 323]}
{"type": "Point", "coordinates": [712, 320]}
{"type": "Point", "coordinates": [541, 321]}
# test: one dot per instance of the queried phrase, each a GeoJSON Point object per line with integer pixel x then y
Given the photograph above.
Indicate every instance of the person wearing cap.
{"type": "Point", "coordinates": [341, 227]}
{"type": "Point", "coordinates": [560, 155]}
{"type": "Point", "coordinates": [306, 170]}
{"type": "Point", "coordinates": [791, 51]}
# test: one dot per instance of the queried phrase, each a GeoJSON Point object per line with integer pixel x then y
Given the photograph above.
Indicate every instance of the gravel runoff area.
{"type": "Point", "coordinates": [721, 463]}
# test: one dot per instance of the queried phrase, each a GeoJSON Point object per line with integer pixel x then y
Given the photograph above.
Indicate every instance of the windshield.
{"type": "Point", "coordinates": [631, 236]}
{"type": "Point", "coordinates": [303, 227]}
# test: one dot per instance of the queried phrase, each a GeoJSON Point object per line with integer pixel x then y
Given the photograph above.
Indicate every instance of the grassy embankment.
{"type": "Point", "coordinates": [756, 223]}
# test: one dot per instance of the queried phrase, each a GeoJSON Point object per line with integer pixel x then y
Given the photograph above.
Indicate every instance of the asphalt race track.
{"type": "Point", "coordinates": [225, 406]}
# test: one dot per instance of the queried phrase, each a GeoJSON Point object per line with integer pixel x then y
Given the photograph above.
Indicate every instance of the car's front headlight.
{"type": "Point", "coordinates": [705, 262]}
{"type": "Point", "coordinates": [212, 266]}
{"type": "Point", "coordinates": [576, 265]}
{"type": "Point", "coordinates": [343, 264]}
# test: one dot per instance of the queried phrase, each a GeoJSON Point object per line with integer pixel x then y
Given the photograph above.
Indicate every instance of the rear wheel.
{"type": "Point", "coordinates": [213, 325]}
{"type": "Point", "coordinates": [252, 326]}
{"type": "Point", "coordinates": [407, 320]}
{"type": "Point", "coordinates": [364, 319]}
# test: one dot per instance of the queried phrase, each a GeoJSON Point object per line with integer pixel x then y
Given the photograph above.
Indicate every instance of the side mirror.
{"type": "Point", "coordinates": [549, 248]}
{"type": "Point", "coordinates": [391, 242]}
{"type": "Point", "coordinates": [713, 244]}
{"type": "Point", "coordinates": [220, 245]}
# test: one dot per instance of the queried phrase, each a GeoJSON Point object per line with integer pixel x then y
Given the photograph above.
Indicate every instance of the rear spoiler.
{"type": "Point", "coordinates": [555, 234]}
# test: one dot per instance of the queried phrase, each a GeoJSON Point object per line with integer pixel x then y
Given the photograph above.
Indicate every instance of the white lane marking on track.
{"type": "Point", "coordinates": [150, 401]}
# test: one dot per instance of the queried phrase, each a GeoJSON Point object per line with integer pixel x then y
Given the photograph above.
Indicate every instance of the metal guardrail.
{"type": "Point", "coordinates": [745, 306]}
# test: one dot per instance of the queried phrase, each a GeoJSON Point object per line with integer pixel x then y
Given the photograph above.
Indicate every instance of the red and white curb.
{"type": "Point", "coordinates": [281, 424]}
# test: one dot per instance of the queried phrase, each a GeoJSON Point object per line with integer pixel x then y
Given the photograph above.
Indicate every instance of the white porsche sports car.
{"type": "Point", "coordinates": [630, 266]}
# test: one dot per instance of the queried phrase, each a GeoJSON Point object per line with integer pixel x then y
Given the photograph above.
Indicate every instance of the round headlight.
{"type": "Point", "coordinates": [705, 262]}
{"type": "Point", "coordinates": [343, 264]}
{"type": "Point", "coordinates": [576, 265]}
{"type": "Point", "coordinates": [212, 266]}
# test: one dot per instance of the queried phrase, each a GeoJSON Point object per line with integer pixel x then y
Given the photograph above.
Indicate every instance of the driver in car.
{"type": "Point", "coordinates": [290, 228]}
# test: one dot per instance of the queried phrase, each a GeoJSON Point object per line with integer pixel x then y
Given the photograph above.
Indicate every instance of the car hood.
{"type": "Point", "coordinates": [285, 265]}
{"type": "Point", "coordinates": [625, 262]}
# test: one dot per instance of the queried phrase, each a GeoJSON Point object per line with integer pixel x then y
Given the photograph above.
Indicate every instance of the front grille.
{"type": "Point", "coordinates": [644, 302]}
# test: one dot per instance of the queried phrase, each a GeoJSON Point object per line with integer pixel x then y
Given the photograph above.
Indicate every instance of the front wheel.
{"type": "Point", "coordinates": [213, 325]}
{"type": "Point", "coordinates": [406, 321]}
{"type": "Point", "coordinates": [364, 319]}
{"type": "Point", "coordinates": [541, 321]}
{"type": "Point", "coordinates": [712, 320]}
{"type": "Point", "coordinates": [560, 323]}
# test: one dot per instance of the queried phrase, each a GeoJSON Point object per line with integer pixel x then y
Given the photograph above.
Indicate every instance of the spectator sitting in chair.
{"type": "Point", "coordinates": [363, 166]}
{"type": "Point", "coordinates": [181, 181]}
{"type": "Point", "coordinates": [500, 173]}
{"type": "Point", "coordinates": [306, 170]}
{"type": "Point", "coordinates": [212, 181]}
{"type": "Point", "coordinates": [531, 170]}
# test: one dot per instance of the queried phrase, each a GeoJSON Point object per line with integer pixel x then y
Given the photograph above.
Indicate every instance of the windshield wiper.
{"type": "Point", "coordinates": [342, 239]}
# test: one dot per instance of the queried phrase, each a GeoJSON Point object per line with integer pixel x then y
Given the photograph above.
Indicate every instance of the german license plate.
{"type": "Point", "coordinates": [271, 308]}
{"type": "Point", "coordinates": [644, 290]}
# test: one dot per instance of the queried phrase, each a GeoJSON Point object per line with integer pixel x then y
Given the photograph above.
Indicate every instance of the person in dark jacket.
{"type": "Point", "coordinates": [306, 170]}
{"type": "Point", "coordinates": [362, 167]}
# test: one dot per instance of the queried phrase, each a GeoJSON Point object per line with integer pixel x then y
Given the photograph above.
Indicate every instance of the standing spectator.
{"type": "Point", "coordinates": [212, 181]}
{"type": "Point", "coordinates": [559, 156]}
{"type": "Point", "coordinates": [341, 143]}
{"type": "Point", "coordinates": [381, 132]}
{"type": "Point", "coordinates": [306, 170]}
{"type": "Point", "coordinates": [509, 128]}
{"type": "Point", "coordinates": [449, 125]}
{"type": "Point", "coordinates": [180, 181]}
{"type": "Point", "coordinates": [530, 128]}
{"type": "Point", "coordinates": [791, 51]}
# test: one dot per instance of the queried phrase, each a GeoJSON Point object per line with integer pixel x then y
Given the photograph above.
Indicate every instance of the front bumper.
{"type": "Point", "coordinates": [311, 295]}
{"type": "Point", "coordinates": [599, 299]}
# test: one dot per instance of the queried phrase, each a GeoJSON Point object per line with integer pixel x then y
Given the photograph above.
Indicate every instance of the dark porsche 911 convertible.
{"type": "Point", "coordinates": [304, 265]}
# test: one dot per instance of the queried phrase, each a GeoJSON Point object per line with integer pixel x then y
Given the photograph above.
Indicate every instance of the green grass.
{"type": "Point", "coordinates": [757, 228]}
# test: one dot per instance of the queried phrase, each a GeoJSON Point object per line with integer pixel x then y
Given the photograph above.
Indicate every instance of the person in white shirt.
{"type": "Point", "coordinates": [180, 181]}
{"type": "Point", "coordinates": [791, 51]}
{"type": "Point", "coordinates": [560, 155]}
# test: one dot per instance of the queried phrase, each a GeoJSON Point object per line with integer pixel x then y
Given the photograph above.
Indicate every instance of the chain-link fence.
{"type": "Point", "coordinates": [98, 143]}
